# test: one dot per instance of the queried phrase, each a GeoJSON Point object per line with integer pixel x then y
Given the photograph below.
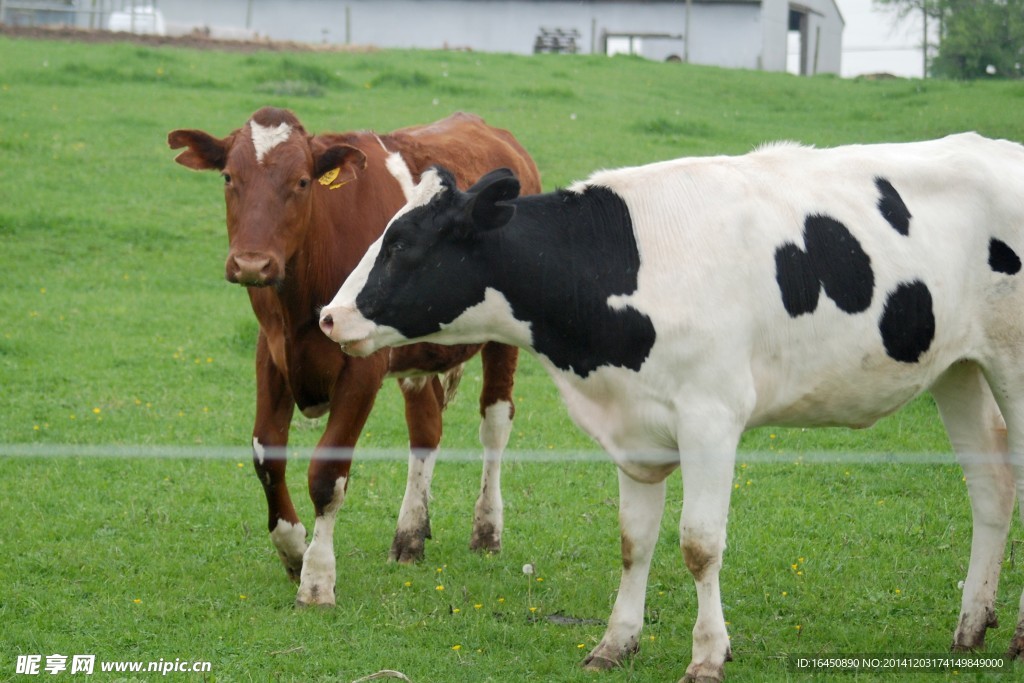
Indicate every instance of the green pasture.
{"type": "Point", "coordinates": [119, 333]}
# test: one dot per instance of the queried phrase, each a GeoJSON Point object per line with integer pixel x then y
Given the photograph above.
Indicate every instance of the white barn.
{"type": "Point", "coordinates": [803, 36]}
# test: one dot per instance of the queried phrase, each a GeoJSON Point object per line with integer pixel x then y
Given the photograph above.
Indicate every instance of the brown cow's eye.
{"type": "Point", "coordinates": [227, 178]}
{"type": "Point", "coordinates": [303, 183]}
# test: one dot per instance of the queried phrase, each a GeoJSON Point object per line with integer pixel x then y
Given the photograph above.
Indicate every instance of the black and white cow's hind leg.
{"type": "Point", "coordinates": [978, 434]}
{"type": "Point", "coordinates": [1006, 377]}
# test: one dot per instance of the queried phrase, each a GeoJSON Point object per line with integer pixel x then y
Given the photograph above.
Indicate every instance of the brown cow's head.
{"type": "Point", "coordinates": [269, 167]}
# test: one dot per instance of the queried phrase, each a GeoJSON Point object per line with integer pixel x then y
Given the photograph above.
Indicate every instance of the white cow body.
{"type": "Point", "coordinates": [715, 237]}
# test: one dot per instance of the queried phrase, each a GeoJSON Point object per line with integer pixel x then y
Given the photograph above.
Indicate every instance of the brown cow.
{"type": "Point", "coordinates": [301, 210]}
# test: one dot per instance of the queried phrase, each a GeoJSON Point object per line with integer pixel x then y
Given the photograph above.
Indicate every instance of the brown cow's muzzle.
{"type": "Point", "coordinates": [252, 269]}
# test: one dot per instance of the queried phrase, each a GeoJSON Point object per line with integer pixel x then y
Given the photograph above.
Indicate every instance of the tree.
{"type": "Point", "coordinates": [977, 38]}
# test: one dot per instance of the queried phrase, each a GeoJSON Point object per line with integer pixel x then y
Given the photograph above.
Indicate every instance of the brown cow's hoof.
{"type": "Point", "coordinates": [290, 542]}
{"type": "Point", "coordinates": [315, 596]}
{"type": "Point", "coordinates": [293, 569]}
{"type": "Point", "coordinates": [301, 603]}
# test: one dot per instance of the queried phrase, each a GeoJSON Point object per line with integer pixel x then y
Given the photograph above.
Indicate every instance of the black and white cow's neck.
{"type": "Point", "coordinates": [564, 283]}
{"type": "Point", "coordinates": [535, 286]}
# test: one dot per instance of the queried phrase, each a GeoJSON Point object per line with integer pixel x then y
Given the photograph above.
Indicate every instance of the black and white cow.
{"type": "Point", "coordinates": [678, 304]}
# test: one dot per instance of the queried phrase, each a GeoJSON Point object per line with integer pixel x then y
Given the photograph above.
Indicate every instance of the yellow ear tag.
{"type": "Point", "coordinates": [327, 178]}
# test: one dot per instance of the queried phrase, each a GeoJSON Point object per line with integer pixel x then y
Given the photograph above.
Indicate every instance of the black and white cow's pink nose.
{"type": "Point", "coordinates": [347, 326]}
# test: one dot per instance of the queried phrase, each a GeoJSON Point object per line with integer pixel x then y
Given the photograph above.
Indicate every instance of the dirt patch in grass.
{"type": "Point", "coordinates": [196, 39]}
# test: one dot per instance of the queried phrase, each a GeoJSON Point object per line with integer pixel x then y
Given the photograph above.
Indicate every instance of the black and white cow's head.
{"type": "Point", "coordinates": [425, 249]}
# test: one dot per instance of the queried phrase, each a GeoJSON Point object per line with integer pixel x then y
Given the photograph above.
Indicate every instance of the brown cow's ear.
{"type": "Point", "coordinates": [204, 152]}
{"type": "Point", "coordinates": [347, 159]}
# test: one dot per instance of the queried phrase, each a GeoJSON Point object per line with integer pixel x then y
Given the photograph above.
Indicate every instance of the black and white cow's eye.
{"type": "Point", "coordinates": [394, 248]}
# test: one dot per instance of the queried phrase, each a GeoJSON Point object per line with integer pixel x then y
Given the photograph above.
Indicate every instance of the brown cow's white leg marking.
{"type": "Point", "coordinates": [266, 138]}
{"type": "Point", "coordinates": [640, 508]}
{"type": "Point", "coordinates": [286, 531]}
{"type": "Point", "coordinates": [318, 569]}
{"type": "Point", "coordinates": [978, 435]}
{"type": "Point", "coordinates": [290, 541]}
{"type": "Point", "coordinates": [488, 514]}
{"type": "Point", "coordinates": [414, 516]}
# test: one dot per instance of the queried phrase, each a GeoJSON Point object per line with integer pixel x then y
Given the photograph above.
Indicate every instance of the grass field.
{"type": "Point", "coordinates": [119, 332]}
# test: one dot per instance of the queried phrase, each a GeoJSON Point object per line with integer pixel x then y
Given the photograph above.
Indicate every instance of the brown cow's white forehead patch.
{"type": "Point", "coordinates": [266, 138]}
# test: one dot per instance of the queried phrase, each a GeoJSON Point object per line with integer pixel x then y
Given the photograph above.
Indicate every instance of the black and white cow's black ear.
{"type": "Point", "coordinates": [486, 210]}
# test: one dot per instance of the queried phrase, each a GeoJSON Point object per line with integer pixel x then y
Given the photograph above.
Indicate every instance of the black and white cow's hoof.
{"type": "Point", "coordinates": [605, 656]}
{"type": "Point", "coordinates": [407, 548]}
{"type": "Point", "coordinates": [486, 539]}
{"type": "Point", "coordinates": [970, 633]}
{"type": "Point", "coordinates": [597, 662]}
{"type": "Point", "coordinates": [1017, 644]}
{"type": "Point", "coordinates": [704, 674]}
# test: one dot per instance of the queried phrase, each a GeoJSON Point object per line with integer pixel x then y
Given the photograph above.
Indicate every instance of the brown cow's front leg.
{"type": "Point", "coordinates": [496, 410]}
{"type": "Point", "coordinates": [354, 392]}
{"type": "Point", "coordinates": [274, 408]}
{"type": "Point", "coordinates": [424, 398]}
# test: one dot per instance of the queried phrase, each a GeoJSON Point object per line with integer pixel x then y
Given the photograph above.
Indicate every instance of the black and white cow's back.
{"type": "Point", "coordinates": [790, 286]}
{"type": "Point", "coordinates": [847, 279]}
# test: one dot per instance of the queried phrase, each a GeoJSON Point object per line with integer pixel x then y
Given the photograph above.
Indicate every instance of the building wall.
{"type": "Point", "coordinates": [726, 35]}
{"type": "Point", "coordinates": [824, 34]}
{"type": "Point", "coordinates": [731, 35]}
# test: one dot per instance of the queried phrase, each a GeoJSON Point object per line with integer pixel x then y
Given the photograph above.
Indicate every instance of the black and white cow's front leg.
{"type": "Point", "coordinates": [707, 485]}
{"type": "Point", "coordinates": [641, 505]}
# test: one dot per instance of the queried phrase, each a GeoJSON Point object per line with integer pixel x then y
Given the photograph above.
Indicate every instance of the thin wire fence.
{"type": "Point", "coordinates": [240, 453]}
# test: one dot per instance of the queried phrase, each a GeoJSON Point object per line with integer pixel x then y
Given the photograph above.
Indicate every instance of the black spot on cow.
{"type": "Point", "coordinates": [891, 205]}
{"type": "Point", "coordinates": [1002, 258]}
{"type": "Point", "coordinates": [832, 259]}
{"type": "Point", "coordinates": [797, 280]}
{"type": "Point", "coordinates": [556, 258]}
{"type": "Point", "coordinates": [908, 323]}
